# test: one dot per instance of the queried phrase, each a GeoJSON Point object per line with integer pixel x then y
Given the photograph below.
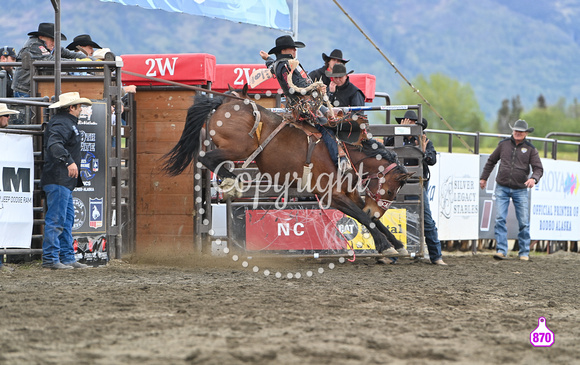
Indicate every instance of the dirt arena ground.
{"type": "Point", "coordinates": [166, 310]}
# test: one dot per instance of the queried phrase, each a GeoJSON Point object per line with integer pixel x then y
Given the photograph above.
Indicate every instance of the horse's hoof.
{"type": "Point", "coordinates": [403, 251]}
{"type": "Point", "coordinates": [385, 261]}
{"type": "Point", "coordinates": [231, 188]}
{"type": "Point", "coordinates": [390, 252]}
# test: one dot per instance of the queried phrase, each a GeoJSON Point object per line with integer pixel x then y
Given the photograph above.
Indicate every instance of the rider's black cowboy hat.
{"type": "Point", "coordinates": [46, 30]}
{"type": "Point", "coordinates": [284, 42]}
{"type": "Point", "coordinates": [336, 54]}
{"type": "Point", "coordinates": [82, 40]}
{"type": "Point", "coordinates": [338, 70]}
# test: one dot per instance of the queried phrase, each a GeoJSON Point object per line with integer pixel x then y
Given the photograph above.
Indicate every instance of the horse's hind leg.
{"type": "Point", "coordinates": [217, 161]}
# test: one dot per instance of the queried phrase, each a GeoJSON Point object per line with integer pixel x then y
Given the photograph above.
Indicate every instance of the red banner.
{"type": "Point", "coordinates": [187, 68]}
{"type": "Point", "coordinates": [238, 75]}
{"type": "Point", "coordinates": [297, 229]}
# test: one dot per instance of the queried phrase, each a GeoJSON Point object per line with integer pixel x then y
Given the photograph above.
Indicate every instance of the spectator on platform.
{"type": "Point", "coordinates": [334, 58]}
{"type": "Point", "coordinates": [429, 159]}
{"type": "Point", "coordinates": [516, 155]}
{"type": "Point", "coordinates": [341, 92]}
{"type": "Point", "coordinates": [40, 46]}
{"type": "Point", "coordinates": [5, 114]}
{"type": "Point", "coordinates": [83, 43]}
{"type": "Point", "coordinates": [60, 176]}
{"type": "Point", "coordinates": [8, 54]}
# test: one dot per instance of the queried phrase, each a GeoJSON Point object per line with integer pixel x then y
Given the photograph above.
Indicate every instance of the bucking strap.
{"type": "Point", "coordinates": [257, 117]}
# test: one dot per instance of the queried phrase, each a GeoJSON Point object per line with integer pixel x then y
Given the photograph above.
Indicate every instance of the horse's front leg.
{"type": "Point", "coordinates": [391, 237]}
{"type": "Point", "coordinates": [349, 207]}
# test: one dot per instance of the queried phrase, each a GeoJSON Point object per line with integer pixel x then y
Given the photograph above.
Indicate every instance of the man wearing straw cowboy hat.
{"type": "Point", "coordinates": [5, 114]}
{"type": "Point", "coordinates": [60, 176]}
{"type": "Point", "coordinates": [516, 154]}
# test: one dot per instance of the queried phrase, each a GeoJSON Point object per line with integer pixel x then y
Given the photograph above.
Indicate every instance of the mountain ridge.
{"type": "Point", "coordinates": [501, 48]}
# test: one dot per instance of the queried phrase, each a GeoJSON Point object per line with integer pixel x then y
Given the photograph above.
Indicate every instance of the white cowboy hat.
{"type": "Point", "coordinates": [99, 54]}
{"type": "Point", "coordinates": [5, 111]}
{"type": "Point", "coordinates": [68, 99]}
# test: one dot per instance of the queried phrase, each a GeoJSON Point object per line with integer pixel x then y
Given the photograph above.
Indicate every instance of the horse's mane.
{"type": "Point", "coordinates": [372, 147]}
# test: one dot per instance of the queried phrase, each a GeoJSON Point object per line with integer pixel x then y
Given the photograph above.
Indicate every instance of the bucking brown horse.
{"type": "Point", "coordinates": [231, 123]}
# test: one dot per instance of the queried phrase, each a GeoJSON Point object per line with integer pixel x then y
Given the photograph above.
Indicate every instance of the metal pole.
{"type": "Point", "coordinates": [295, 19]}
{"type": "Point", "coordinates": [56, 51]}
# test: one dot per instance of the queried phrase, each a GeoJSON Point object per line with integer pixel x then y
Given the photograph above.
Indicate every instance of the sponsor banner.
{"type": "Point", "coordinates": [92, 251]}
{"type": "Point", "coordinates": [454, 195]}
{"type": "Point", "coordinates": [89, 200]}
{"type": "Point", "coordinates": [313, 229]}
{"type": "Point", "coordinates": [16, 190]}
{"type": "Point", "coordinates": [555, 202]}
{"type": "Point", "coordinates": [273, 14]}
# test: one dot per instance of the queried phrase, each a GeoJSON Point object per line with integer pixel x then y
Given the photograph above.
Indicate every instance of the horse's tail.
{"type": "Point", "coordinates": [180, 156]}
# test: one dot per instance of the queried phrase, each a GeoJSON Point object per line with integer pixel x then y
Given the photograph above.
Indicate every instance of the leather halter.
{"type": "Point", "coordinates": [383, 203]}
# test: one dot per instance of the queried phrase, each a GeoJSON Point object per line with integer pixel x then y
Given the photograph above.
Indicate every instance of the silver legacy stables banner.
{"type": "Point", "coordinates": [16, 188]}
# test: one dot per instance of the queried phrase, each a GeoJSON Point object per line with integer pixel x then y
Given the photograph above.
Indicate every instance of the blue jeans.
{"type": "Point", "coordinates": [520, 199]}
{"type": "Point", "coordinates": [330, 142]}
{"type": "Point", "coordinates": [58, 222]}
{"type": "Point", "coordinates": [20, 94]}
{"type": "Point", "coordinates": [430, 229]}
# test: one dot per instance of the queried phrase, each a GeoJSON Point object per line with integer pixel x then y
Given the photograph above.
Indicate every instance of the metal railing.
{"type": "Point", "coordinates": [555, 143]}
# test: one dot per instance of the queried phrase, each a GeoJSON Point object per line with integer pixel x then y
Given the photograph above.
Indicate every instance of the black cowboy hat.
{"type": "Point", "coordinates": [338, 70]}
{"type": "Point", "coordinates": [8, 51]}
{"type": "Point", "coordinates": [284, 42]}
{"type": "Point", "coordinates": [82, 40]}
{"type": "Point", "coordinates": [46, 30]}
{"type": "Point", "coordinates": [522, 126]}
{"type": "Point", "coordinates": [408, 115]}
{"type": "Point", "coordinates": [336, 54]}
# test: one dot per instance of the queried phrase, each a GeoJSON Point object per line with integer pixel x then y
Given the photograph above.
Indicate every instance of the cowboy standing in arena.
{"type": "Point", "coordinates": [60, 176]}
{"type": "Point", "coordinates": [516, 155]}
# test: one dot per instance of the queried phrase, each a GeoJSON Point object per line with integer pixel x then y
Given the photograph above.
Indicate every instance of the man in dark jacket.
{"type": "Point", "coordinates": [60, 176]}
{"type": "Point", "coordinates": [429, 159]}
{"type": "Point", "coordinates": [334, 58]}
{"type": "Point", "coordinates": [285, 50]}
{"type": "Point", "coordinates": [40, 46]}
{"type": "Point", "coordinates": [341, 91]}
{"type": "Point", "coordinates": [516, 155]}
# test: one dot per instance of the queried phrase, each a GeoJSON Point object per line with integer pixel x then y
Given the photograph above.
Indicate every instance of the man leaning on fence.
{"type": "Point", "coordinates": [516, 155]}
{"type": "Point", "coordinates": [60, 176]}
{"type": "Point", "coordinates": [40, 46]}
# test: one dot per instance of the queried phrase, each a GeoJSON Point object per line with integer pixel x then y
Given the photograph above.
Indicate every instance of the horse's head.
{"type": "Point", "coordinates": [239, 93]}
{"type": "Point", "coordinates": [383, 177]}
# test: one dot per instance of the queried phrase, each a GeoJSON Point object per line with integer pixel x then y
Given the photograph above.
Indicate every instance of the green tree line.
{"type": "Point", "coordinates": [457, 104]}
